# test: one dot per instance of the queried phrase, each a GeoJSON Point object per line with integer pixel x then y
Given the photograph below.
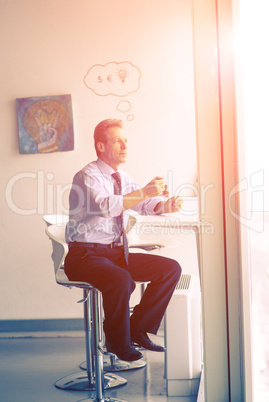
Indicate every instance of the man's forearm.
{"type": "Point", "coordinates": [154, 188]}
{"type": "Point", "coordinates": [134, 198]}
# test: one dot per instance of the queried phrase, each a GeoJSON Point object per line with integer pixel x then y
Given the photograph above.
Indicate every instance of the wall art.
{"type": "Point", "coordinates": [45, 124]}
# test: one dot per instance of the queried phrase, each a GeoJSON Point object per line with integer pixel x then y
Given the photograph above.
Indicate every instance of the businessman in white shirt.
{"type": "Point", "coordinates": [100, 198]}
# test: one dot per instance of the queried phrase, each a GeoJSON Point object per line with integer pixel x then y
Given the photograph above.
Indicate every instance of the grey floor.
{"type": "Point", "coordinates": [30, 365]}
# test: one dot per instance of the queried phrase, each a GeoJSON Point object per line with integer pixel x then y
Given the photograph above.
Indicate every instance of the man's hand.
{"type": "Point", "coordinates": [155, 187]}
{"type": "Point", "coordinates": [173, 204]}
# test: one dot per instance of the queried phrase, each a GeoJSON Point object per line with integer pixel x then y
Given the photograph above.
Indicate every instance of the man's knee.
{"type": "Point", "coordinates": [175, 269]}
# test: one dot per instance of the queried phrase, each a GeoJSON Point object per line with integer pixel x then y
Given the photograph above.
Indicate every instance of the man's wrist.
{"type": "Point", "coordinates": [145, 195]}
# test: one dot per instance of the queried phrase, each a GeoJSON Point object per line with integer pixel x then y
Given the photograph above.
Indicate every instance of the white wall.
{"type": "Point", "coordinates": [46, 48]}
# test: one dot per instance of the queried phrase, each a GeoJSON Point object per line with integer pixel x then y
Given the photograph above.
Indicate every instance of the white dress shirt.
{"type": "Point", "coordinates": [94, 206]}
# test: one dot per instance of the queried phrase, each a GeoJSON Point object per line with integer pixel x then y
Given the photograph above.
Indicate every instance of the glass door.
{"type": "Point", "coordinates": [253, 77]}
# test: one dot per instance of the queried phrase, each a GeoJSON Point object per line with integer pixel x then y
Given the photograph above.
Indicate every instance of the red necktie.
{"type": "Point", "coordinates": [119, 219]}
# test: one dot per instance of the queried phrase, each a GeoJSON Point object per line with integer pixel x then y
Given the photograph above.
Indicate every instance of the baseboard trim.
{"type": "Point", "coordinates": [42, 325]}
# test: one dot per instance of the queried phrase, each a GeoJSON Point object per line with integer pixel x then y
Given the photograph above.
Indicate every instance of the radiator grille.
{"type": "Point", "coordinates": [184, 282]}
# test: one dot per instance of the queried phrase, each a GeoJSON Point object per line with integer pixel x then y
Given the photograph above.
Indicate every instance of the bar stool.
{"type": "Point", "coordinates": [94, 379]}
{"type": "Point", "coordinates": [111, 363]}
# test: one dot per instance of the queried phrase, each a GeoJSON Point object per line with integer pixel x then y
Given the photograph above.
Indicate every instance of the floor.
{"type": "Point", "coordinates": [30, 365]}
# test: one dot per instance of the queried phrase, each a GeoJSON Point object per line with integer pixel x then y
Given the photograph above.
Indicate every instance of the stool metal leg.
{"type": "Point", "coordinates": [94, 379]}
{"type": "Point", "coordinates": [88, 340]}
{"type": "Point", "coordinates": [111, 363]}
{"type": "Point", "coordinates": [99, 375]}
{"type": "Point", "coordinates": [98, 358]}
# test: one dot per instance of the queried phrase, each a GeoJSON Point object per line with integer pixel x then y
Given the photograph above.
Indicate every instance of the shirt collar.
{"type": "Point", "coordinates": [104, 167]}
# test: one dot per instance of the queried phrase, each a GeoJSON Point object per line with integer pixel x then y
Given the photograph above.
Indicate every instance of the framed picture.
{"type": "Point", "coordinates": [45, 124]}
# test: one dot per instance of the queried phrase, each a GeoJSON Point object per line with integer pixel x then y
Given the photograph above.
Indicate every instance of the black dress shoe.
{"type": "Point", "coordinates": [126, 353]}
{"type": "Point", "coordinates": [141, 339]}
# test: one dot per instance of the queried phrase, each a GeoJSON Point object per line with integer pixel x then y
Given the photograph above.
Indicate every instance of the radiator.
{"type": "Point", "coordinates": [183, 339]}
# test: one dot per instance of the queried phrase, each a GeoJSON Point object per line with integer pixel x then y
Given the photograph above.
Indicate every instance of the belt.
{"type": "Point", "coordinates": [94, 245]}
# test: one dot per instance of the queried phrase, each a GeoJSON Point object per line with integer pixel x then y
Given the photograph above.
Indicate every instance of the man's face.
{"type": "Point", "coordinates": [114, 150]}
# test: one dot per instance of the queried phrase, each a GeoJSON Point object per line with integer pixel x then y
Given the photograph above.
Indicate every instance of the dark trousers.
{"type": "Point", "coordinates": [104, 268]}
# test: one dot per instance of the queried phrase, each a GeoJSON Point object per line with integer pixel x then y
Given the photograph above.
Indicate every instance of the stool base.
{"type": "Point", "coordinates": [108, 399]}
{"type": "Point", "coordinates": [80, 382]}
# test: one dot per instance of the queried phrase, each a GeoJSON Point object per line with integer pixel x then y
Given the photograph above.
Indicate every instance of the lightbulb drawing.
{"type": "Point", "coordinates": [46, 121]}
{"type": "Point", "coordinates": [48, 135]}
{"type": "Point", "coordinates": [45, 124]}
{"type": "Point", "coordinates": [122, 74]}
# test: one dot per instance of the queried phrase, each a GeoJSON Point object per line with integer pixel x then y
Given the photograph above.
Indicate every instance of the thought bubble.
{"type": "Point", "coordinates": [118, 79]}
{"type": "Point", "coordinates": [124, 106]}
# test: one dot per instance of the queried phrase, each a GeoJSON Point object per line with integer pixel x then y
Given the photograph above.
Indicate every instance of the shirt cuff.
{"type": "Point", "coordinates": [150, 204]}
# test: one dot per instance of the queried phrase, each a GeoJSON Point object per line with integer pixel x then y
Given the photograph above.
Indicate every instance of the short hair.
{"type": "Point", "coordinates": [100, 131]}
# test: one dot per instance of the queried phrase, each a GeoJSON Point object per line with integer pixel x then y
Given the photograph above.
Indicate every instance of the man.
{"type": "Point", "coordinates": [98, 254]}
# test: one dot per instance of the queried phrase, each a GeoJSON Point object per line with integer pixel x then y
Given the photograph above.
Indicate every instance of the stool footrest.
{"type": "Point", "coordinates": [118, 365]}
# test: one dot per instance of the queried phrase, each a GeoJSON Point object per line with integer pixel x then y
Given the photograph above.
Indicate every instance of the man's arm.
{"type": "Point", "coordinates": [154, 188]}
